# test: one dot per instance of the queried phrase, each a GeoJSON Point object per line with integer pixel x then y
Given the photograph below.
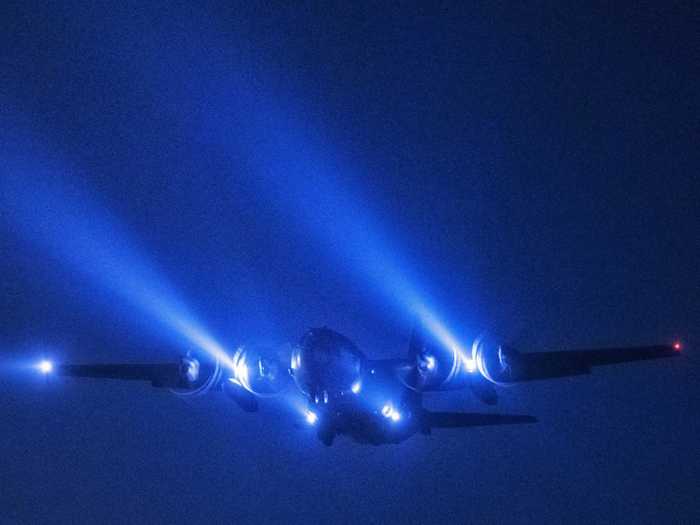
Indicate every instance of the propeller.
{"type": "Point", "coordinates": [196, 378]}
{"type": "Point", "coordinates": [260, 371]}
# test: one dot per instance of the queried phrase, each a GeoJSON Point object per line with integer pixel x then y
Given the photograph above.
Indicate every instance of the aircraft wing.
{"type": "Point", "coordinates": [251, 376]}
{"type": "Point", "coordinates": [188, 374]}
{"type": "Point", "coordinates": [510, 366]}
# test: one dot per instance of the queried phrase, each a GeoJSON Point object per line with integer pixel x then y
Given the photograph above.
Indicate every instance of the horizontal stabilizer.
{"type": "Point", "coordinates": [461, 420]}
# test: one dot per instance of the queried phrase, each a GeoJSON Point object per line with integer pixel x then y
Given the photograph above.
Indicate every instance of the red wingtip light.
{"type": "Point", "coordinates": [677, 346]}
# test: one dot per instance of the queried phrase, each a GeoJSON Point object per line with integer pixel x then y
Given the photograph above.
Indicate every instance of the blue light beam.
{"type": "Point", "coordinates": [298, 173]}
{"type": "Point", "coordinates": [53, 211]}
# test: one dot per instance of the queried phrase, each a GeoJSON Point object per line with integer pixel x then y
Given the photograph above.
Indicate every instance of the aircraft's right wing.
{"type": "Point", "coordinates": [252, 372]}
{"type": "Point", "coordinates": [176, 375]}
{"type": "Point", "coordinates": [510, 366]}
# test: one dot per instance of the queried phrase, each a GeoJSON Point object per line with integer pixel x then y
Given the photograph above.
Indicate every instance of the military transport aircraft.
{"type": "Point", "coordinates": [370, 400]}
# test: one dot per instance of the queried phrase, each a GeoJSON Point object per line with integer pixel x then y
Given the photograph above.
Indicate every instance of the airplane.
{"type": "Point", "coordinates": [375, 401]}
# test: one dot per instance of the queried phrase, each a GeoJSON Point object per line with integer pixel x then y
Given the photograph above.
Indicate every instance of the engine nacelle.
{"type": "Point", "coordinates": [497, 363]}
{"type": "Point", "coordinates": [195, 378]}
{"type": "Point", "coordinates": [260, 371]}
{"type": "Point", "coordinates": [431, 368]}
{"type": "Point", "coordinates": [434, 365]}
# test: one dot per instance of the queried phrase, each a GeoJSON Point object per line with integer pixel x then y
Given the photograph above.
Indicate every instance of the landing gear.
{"type": "Point", "coordinates": [326, 434]}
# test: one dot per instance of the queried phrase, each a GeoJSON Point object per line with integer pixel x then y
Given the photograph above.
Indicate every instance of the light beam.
{"type": "Point", "coordinates": [47, 208]}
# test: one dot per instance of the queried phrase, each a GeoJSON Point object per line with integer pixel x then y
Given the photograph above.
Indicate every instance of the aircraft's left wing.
{"type": "Point", "coordinates": [509, 366]}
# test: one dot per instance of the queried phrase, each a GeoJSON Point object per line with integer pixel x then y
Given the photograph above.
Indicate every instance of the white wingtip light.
{"type": "Point", "coordinates": [45, 367]}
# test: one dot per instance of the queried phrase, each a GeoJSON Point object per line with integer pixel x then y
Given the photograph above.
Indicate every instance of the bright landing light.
{"type": "Point", "coordinates": [389, 412]}
{"type": "Point", "coordinates": [45, 367]}
{"type": "Point", "coordinates": [471, 365]}
{"type": "Point", "coordinates": [311, 417]}
{"type": "Point", "coordinates": [388, 409]}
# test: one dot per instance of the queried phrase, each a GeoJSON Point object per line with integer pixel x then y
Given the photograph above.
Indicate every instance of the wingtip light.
{"type": "Point", "coordinates": [677, 346]}
{"type": "Point", "coordinates": [45, 367]}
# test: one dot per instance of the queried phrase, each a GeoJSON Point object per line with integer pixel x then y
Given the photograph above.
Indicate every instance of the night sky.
{"type": "Point", "coordinates": [252, 169]}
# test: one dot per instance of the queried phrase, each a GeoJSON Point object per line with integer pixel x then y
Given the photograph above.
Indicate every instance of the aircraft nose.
{"type": "Point", "coordinates": [325, 361]}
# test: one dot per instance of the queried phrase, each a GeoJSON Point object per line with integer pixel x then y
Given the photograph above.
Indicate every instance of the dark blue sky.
{"type": "Point", "coordinates": [530, 172]}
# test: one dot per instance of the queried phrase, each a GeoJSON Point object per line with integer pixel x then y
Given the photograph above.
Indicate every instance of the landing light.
{"type": "Point", "coordinates": [388, 409]}
{"type": "Point", "coordinates": [45, 367]}
{"type": "Point", "coordinates": [311, 417]}
{"type": "Point", "coordinates": [356, 387]}
{"type": "Point", "coordinates": [470, 364]}
{"type": "Point", "coordinates": [240, 369]}
{"type": "Point", "coordinates": [395, 416]}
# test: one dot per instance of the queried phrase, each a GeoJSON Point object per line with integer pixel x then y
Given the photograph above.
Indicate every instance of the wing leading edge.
{"type": "Point", "coordinates": [159, 375]}
{"type": "Point", "coordinates": [510, 366]}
